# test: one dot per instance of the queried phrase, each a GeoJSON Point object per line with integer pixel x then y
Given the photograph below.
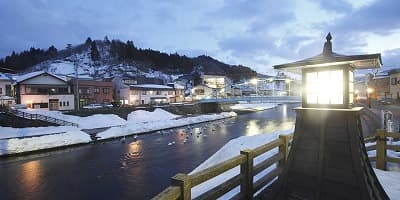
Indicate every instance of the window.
{"type": "Point", "coordinates": [63, 103]}
{"type": "Point", "coordinates": [1, 90]}
{"type": "Point", "coordinates": [158, 92]}
{"type": "Point", "coordinates": [199, 91]}
{"type": "Point", "coordinates": [67, 103]}
{"type": "Point", "coordinates": [324, 87]}
{"type": "Point", "coordinates": [60, 104]}
{"type": "Point", "coordinates": [144, 92]}
{"type": "Point", "coordinates": [134, 92]}
{"type": "Point", "coordinates": [170, 92]}
{"type": "Point", "coordinates": [96, 90]}
{"type": "Point", "coordinates": [351, 87]}
{"type": "Point", "coordinates": [394, 81]}
{"type": "Point", "coordinates": [106, 90]}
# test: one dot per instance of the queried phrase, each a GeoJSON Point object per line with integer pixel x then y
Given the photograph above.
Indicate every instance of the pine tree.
{"type": "Point", "coordinates": [106, 40]}
{"type": "Point", "coordinates": [88, 41]}
{"type": "Point", "coordinates": [94, 53]}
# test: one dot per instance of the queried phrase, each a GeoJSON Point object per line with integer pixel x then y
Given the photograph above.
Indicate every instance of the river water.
{"type": "Point", "coordinates": [134, 169]}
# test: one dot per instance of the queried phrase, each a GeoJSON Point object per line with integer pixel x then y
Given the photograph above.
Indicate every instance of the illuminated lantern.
{"type": "Point", "coordinates": [328, 78]}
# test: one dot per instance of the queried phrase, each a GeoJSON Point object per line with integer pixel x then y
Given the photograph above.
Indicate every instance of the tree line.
{"type": "Point", "coordinates": [119, 51]}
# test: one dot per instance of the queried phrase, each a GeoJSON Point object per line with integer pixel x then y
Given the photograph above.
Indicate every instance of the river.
{"type": "Point", "coordinates": [134, 169]}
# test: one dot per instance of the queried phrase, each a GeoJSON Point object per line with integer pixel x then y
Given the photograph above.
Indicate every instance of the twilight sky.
{"type": "Point", "coordinates": [255, 33]}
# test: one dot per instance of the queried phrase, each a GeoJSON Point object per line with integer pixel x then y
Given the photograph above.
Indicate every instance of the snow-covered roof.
{"type": "Point", "coordinates": [153, 86]}
{"type": "Point", "coordinates": [37, 73]}
{"type": "Point", "coordinates": [4, 77]}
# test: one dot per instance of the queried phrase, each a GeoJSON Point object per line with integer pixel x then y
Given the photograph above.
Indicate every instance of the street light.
{"type": "Point", "coordinates": [254, 81]}
{"type": "Point", "coordinates": [327, 142]}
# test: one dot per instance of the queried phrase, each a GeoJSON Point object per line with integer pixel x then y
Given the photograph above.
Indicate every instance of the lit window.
{"type": "Point", "coordinates": [324, 87]}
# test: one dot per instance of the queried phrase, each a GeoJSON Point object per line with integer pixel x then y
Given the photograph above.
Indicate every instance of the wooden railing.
{"type": "Point", "coordinates": [183, 183]}
{"type": "Point", "coordinates": [381, 146]}
{"type": "Point", "coordinates": [42, 117]}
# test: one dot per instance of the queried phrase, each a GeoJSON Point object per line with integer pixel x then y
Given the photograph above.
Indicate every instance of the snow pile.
{"type": "Point", "coordinates": [253, 106]}
{"type": "Point", "coordinates": [8, 132]}
{"type": "Point", "coordinates": [230, 150]}
{"type": "Point", "coordinates": [93, 121]}
{"type": "Point", "coordinates": [140, 126]}
{"type": "Point", "coordinates": [145, 116]}
{"type": "Point", "coordinates": [389, 153]}
{"type": "Point", "coordinates": [18, 145]}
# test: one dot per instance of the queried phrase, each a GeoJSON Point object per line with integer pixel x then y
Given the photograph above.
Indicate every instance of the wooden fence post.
{"type": "Point", "coordinates": [284, 148]}
{"type": "Point", "coordinates": [381, 150]}
{"type": "Point", "coordinates": [183, 181]}
{"type": "Point", "coordinates": [246, 171]}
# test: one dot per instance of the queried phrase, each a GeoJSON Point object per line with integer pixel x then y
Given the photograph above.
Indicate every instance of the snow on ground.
{"type": "Point", "coordinates": [19, 145]}
{"type": "Point", "coordinates": [89, 122]}
{"type": "Point", "coordinates": [139, 126]}
{"type": "Point", "coordinates": [9, 132]}
{"type": "Point", "coordinates": [145, 116]}
{"type": "Point", "coordinates": [17, 140]}
{"type": "Point", "coordinates": [253, 106]}
{"type": "Point", "coordinates": [388, 179]}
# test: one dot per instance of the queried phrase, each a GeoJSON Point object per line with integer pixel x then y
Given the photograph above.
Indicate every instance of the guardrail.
{"type": "Point", "coordinates": [183, 183]}
{"type": "Point", "coordinates": [264, 99]}
{"type": "Point", "coordinates": [381, 138]}
{"type": "Point", "coordinates": [42, 117]}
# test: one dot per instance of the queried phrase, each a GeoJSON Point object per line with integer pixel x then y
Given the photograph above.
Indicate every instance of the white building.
{"type": "Point", "coordinates": [5, 91]}
{"type": "Point", "coordinates": [152, 94]}
{"type": "Point", "coordinates": [220, 85]}
{"type": "Point", "coordinates": [44, 90]}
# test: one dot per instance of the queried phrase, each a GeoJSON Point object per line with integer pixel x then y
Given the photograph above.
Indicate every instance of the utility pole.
{"type": "Point", "coordinates": [69, 46]}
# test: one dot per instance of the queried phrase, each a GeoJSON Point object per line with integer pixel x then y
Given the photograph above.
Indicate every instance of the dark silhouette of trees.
{"type": "Point", "coordinates": [94, 52]}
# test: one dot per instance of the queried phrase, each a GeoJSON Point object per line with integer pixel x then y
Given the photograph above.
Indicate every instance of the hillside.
{"type": "Point", "coordinates": [105, 58]}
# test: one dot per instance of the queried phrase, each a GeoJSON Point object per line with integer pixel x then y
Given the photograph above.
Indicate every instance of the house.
{"type": "Point", "coordinates": [380, 85]}
{"type": "Point", "coordinates": [153, 94]}
{"type": "Point", "coordinates": [6, 98]}
{"type": "Point", "coordinates": [203, 92]}
{"type": "Point", "coordinates": [44, 90]}
{"type": "Point", "coordinates": [220, 85]}
{"type": "Point", "coordinates": [122, 86]}
{"type": "Point", "coordinates": [394, 83]}
{"type": "Point", "coordinates": [93, 91]}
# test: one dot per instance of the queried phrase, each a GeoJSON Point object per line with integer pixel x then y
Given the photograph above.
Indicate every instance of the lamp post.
{"type": "Point", "coordinates": [328, 144]}
{"type": "Point", "coordinates": [369, 92]}
{"type": "Point", "coordinates": [254, 81]}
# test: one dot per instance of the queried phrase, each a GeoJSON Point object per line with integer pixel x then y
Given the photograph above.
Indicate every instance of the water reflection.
{"type": "Point", "coordinates": [30, 176]}
{"type": "Point", "coordinates": [252, 127]}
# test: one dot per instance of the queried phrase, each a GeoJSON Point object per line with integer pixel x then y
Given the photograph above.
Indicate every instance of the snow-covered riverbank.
{"type": "Point", "coordinates": [19, 140]}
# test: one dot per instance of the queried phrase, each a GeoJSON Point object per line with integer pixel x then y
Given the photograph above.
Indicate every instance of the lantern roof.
{"type": "Point", "coordinates": [330, 58]}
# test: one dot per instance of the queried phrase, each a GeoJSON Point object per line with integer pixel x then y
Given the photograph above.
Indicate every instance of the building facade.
{"type": "Point", "coordinates": [6, 98]}
{"type": "Point", "coordinates": [154, 94]}
{"type": "Point", "coordinates": [43, 90]}
{"type": "Point", "coordinates": [93, 91]}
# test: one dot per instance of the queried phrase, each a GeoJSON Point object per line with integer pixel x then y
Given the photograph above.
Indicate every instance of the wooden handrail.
{"type": "Point", "coordinates": [211, 172]}
{"type": "Point", "coordinates": [182, 183]}
{"type": "Point", "coordinates": [381, 148]}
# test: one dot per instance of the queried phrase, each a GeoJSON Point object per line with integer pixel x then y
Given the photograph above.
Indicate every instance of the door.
{"type": "Point", "coordinates": [53, 104]}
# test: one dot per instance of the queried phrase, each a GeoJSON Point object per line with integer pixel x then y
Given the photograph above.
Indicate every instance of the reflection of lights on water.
{"type": "Point", "coordinates": [252, 128]}
{"type": "Point", "coordinates": [135, 147]}
{"type": "Point", "coordinates": [284, 111]}
{"type": "Point", "coordinates": [31, 172]}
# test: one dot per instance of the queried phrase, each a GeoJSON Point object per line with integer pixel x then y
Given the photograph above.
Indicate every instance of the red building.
{"type": "Point", "coordinates": [92, 91]}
